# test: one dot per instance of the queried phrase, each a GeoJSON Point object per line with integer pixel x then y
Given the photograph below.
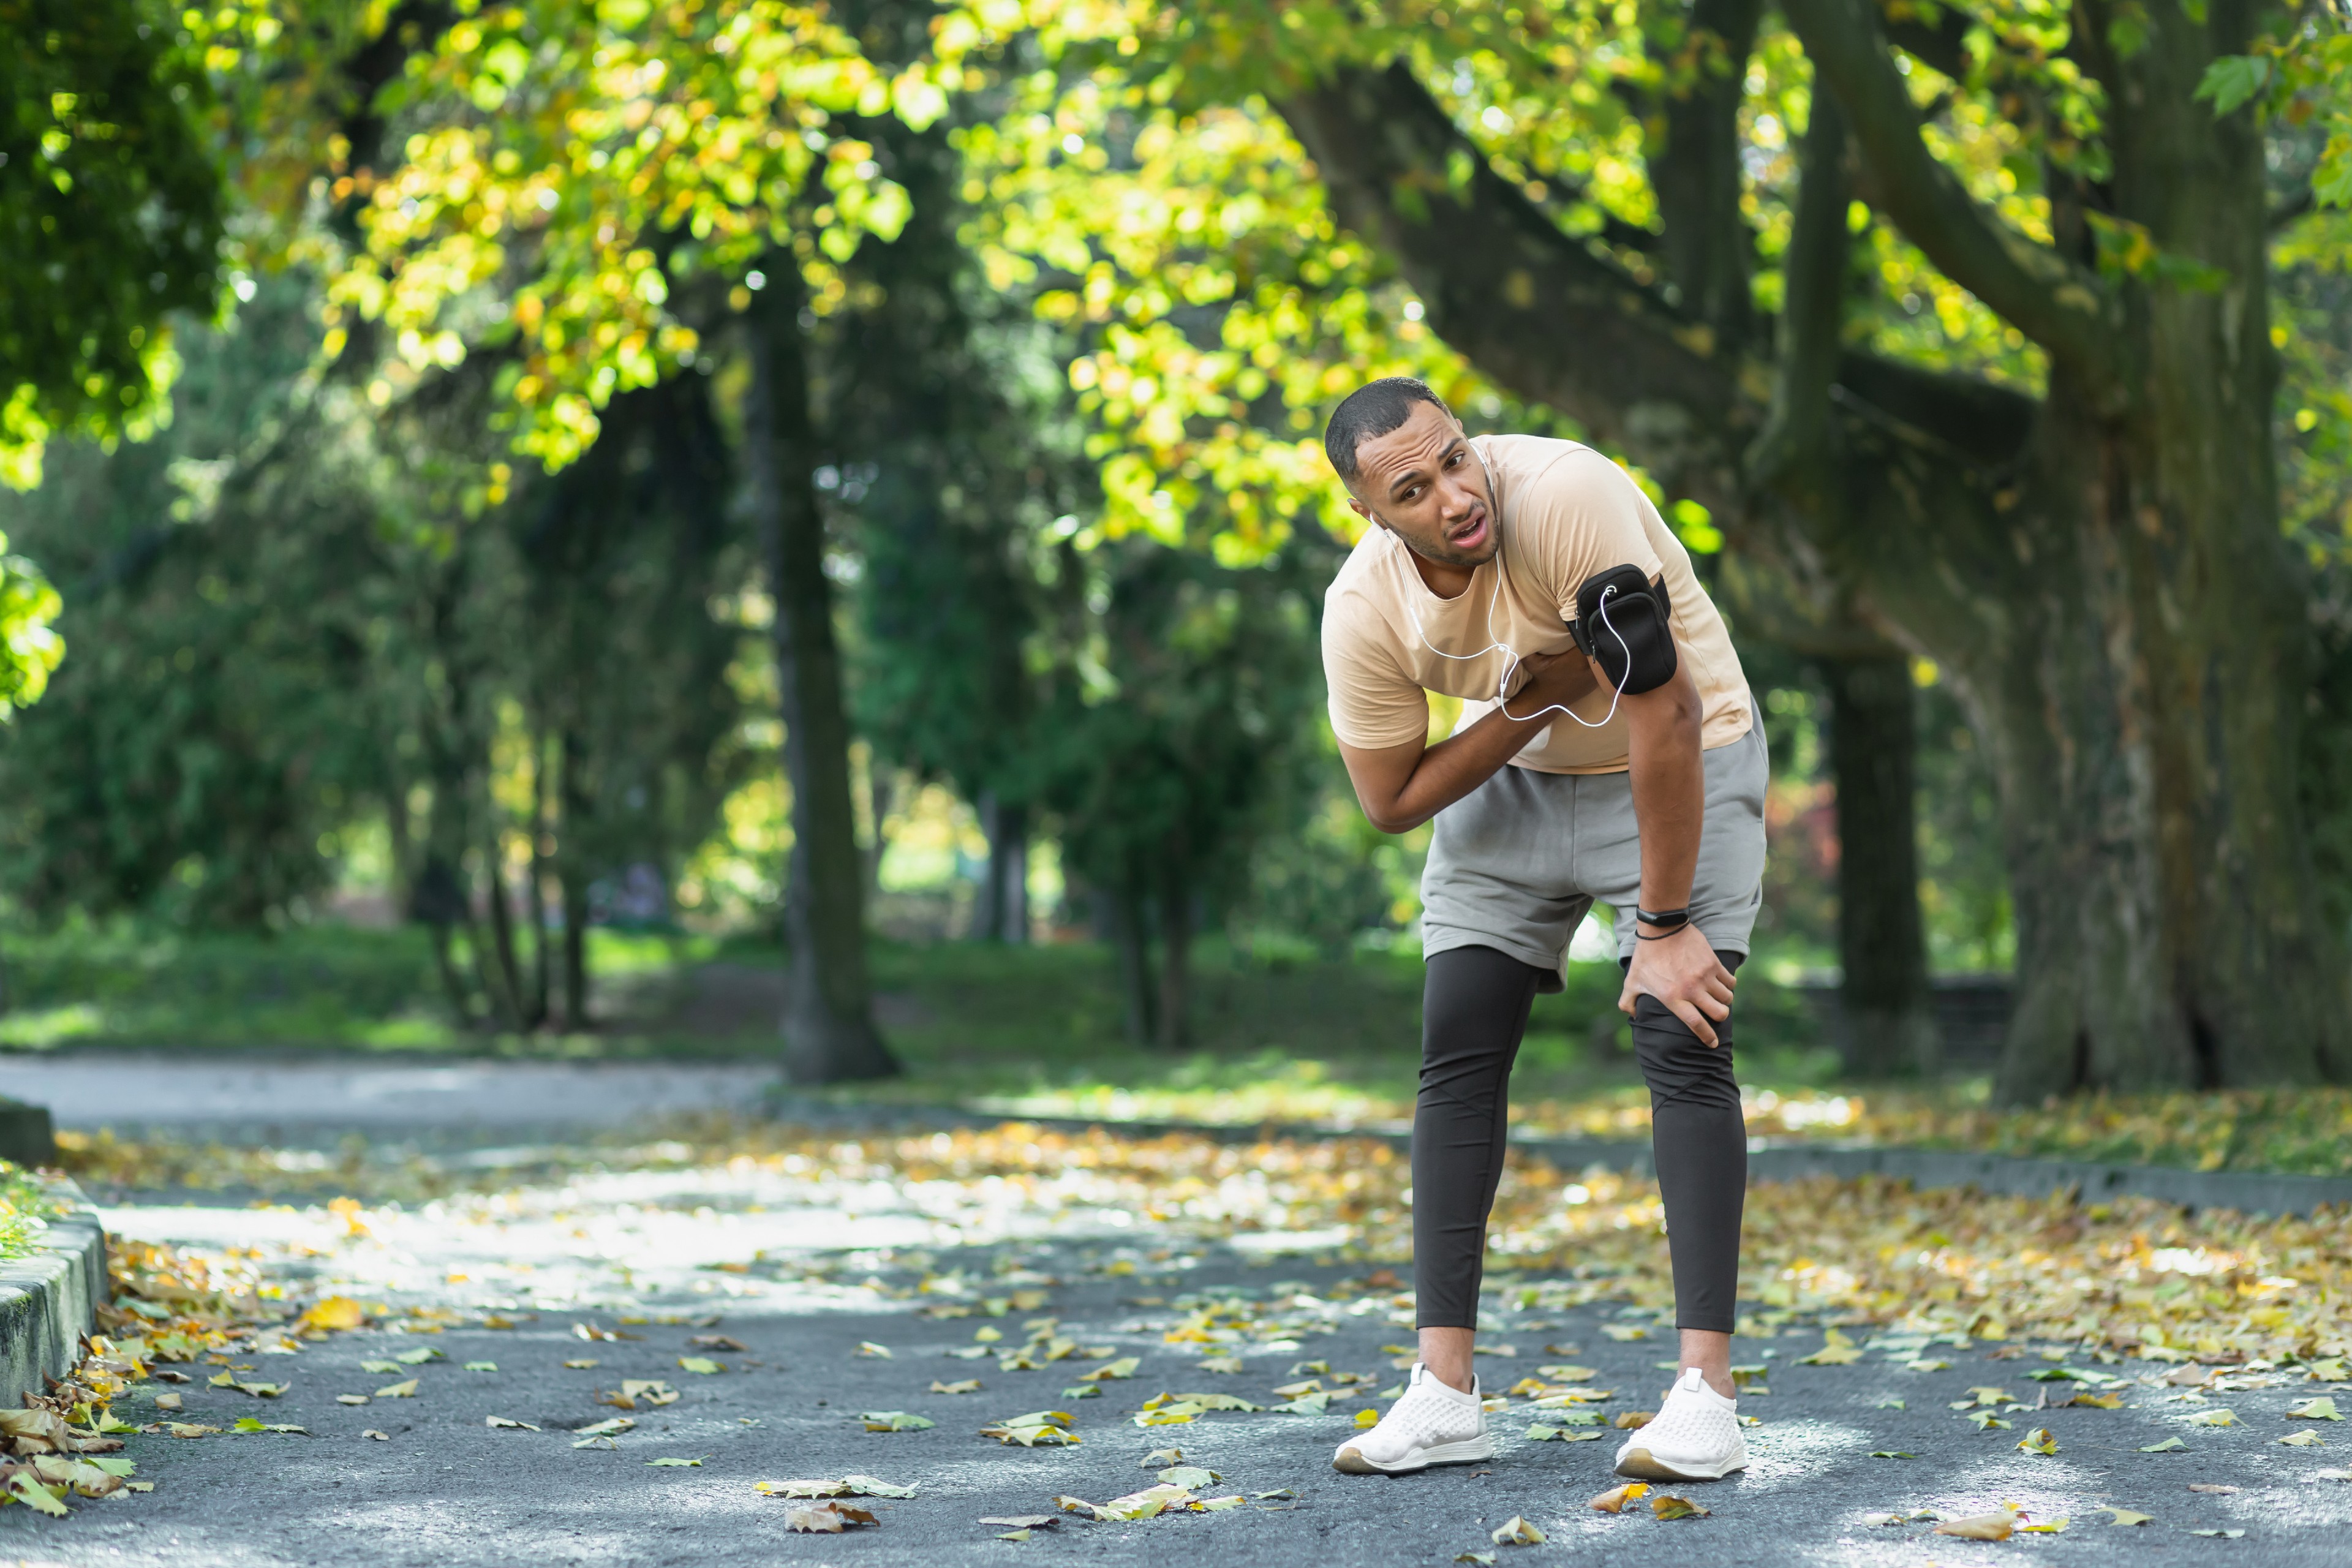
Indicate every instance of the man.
{"type": "Point", "coordinates": [1607, 750]}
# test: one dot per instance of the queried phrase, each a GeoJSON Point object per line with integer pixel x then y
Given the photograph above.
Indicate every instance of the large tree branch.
{"type": "Point", "coordinates": [1538, 312]}
{"type": "Point", "coordinates": [2062, 306]}
{"type": "Point", "coordinates": [1813, 310]}
{"type": "Point", "coordinates": [1695, 168]}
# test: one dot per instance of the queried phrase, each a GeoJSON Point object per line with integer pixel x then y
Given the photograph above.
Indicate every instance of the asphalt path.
{"type": "Point", "coordinates": [801, 1271]}
{"type": "Point", "coordinates": [444, 1487]}
{"type": "Point", "coordinates": [262, 1095]}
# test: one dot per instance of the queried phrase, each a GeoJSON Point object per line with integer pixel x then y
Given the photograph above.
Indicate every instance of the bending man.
{"type": "Point", "coordinates": [1607, 750]}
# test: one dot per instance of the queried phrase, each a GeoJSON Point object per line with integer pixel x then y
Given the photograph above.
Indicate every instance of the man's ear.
{"type": "Point", "coordinates": [1361, 509]}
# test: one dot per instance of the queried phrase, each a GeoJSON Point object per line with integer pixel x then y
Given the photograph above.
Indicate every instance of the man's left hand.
{"type": "Point", "coordinates": [1682, 971]}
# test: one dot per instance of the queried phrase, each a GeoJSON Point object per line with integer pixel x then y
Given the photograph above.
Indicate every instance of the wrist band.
{"type": "Point", "coordinates": [1665, 920]}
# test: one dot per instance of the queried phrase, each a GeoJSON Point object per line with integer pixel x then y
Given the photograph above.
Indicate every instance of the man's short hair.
{"type": "Point", "coordinates": [1370, 412]}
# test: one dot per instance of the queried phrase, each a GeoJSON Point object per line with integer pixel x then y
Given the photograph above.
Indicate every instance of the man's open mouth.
{"type": "Point", "coordinates": [1470, 533]}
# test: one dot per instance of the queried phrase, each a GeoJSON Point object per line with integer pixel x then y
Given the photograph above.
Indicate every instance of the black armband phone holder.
{"type": "Point", "coordinates": [1623, 622]}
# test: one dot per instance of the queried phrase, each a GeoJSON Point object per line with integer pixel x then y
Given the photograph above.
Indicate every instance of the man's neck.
{"type": "Point", "coordinates": [1442, 578]}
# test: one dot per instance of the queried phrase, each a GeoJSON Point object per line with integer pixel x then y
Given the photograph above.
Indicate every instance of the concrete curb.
{"type": "Point", "coordinates": [49, 1301]}
{"type": "Point", "coordinates": [2247, 1192]}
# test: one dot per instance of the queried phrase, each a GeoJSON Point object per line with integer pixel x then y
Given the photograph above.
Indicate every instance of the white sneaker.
{"type": "Point", "coordinates": [1695, 1438]}
{"type": "Point", "coordinates": [1431, 1424]}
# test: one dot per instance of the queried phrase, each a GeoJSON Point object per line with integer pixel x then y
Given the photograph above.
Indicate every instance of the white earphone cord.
{"type": "Point", "coordinates": [1515, 658]}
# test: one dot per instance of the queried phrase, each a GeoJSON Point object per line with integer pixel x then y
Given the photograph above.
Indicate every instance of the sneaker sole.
{"type": "Point", "coordinates": [1643, 1465]}
{"type": "Point", "coordinates": [1351, 1461]}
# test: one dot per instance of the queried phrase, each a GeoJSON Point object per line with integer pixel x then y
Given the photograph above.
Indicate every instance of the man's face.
{"type": "Point", "coordinates": [1423, 483]}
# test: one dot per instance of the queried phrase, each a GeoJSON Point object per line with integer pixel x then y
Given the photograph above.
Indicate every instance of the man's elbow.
{"type": "Point", "coordinates": [1689, 711]}
{"type": "Point", "coordinates": [1391, 820]}
{"type": "Point", "coordinates": [1674, 712]}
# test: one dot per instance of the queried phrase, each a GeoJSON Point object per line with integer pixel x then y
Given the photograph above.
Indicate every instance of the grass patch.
{"type": "Point", "coordinates": [1036, 1031]}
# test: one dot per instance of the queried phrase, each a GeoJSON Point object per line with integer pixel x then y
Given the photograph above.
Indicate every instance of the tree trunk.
{"type": "Point", "coordinates": [437, 900]}
{"type": "Point", "coordinates": [572, 879]}
{"type": "Point", "coordinates": [1000, 913]}
{"type": "Point", "coordinates": [829, 1031]}
{"type": "Point", "coordinates": [453, 982]}
{"type": "Point", "coordinates": [1886, 1008]}
{"type": "Point", "coordinates": [1175, 964]}
{"type": "Point", "coordinates": [2146, 721]}
{"type": "Point", "coordinates": [541, 965]}
{"type": "Point", "coordinates": [2126, 619]}
{"type": "Point", "coordinates": [987, 899]}
{"type": "Point", "coordinates": [502, 936]}
{"type": "Point", "coordinates": [1012, 847]}
{"type": "Point", "coordinates": [879, 791]}
{"type": "Point", "coordinates": [403, 850]}
{"type": "Point", "coordinates": [1125, 910]}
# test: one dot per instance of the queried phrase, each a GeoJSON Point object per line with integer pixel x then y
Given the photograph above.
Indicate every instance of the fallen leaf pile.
{"type": "Point", "coordinates": [2133, 1274]}
{"type": "Point", "coordinates": [167, 1308]}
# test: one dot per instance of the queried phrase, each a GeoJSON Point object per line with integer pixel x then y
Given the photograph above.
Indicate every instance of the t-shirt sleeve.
{"type": "Point", "coordinates": [1374, 704]}
{"type": "Point", "coordinates": [1583, 515]}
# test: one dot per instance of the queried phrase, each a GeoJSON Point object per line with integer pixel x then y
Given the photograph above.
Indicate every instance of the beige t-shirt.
{"type": "Point", "coordinates": [1567, 512]}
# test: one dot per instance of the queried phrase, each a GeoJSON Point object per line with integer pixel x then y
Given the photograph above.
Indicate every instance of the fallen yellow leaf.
{"type": "Point", "coordinates": [1981, 1526]}
{"type": "Point", "coordinates": [826, 1518]}
{"type": "Point", "coordinates": [1516, 1531]}
{"type": "Point", "coordinates": [335, 1313]}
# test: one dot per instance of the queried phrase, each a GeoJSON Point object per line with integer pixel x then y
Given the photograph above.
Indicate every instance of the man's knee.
{"type": "Point", "coordinates": [1676, 1064]}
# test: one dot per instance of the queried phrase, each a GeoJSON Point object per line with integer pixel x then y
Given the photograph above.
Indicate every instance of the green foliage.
{"type": "Point", "coordinates": [295, 639]}
{"type": "Point", "coordinates": [569, 166]}
{"type": "Point", "coordinates": [225, 594]}
{"type": "Point", "coordinates": [111, 213]}
{"type": "Point", "coordinates": [30, 647]}
{"type": "Point", "coordinates": [2298, 76]}
{"type": "Point", "coordinates": [952, 446]}
{"type": "Point", "coordinates": [1189, 698]}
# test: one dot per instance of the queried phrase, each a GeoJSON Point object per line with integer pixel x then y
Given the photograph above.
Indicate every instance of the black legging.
{"type": "Point", "coordinates": [1474, 1011]}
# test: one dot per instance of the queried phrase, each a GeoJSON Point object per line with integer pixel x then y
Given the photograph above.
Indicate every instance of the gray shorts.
{"type": "Point", "coordinates": [1516, 864]}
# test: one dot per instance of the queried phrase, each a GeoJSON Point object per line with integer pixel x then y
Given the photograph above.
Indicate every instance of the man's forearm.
{"type": "Point", "coordinates": [1452, 768]}
{"type": "Point", "coordinates": [1669, 782]}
